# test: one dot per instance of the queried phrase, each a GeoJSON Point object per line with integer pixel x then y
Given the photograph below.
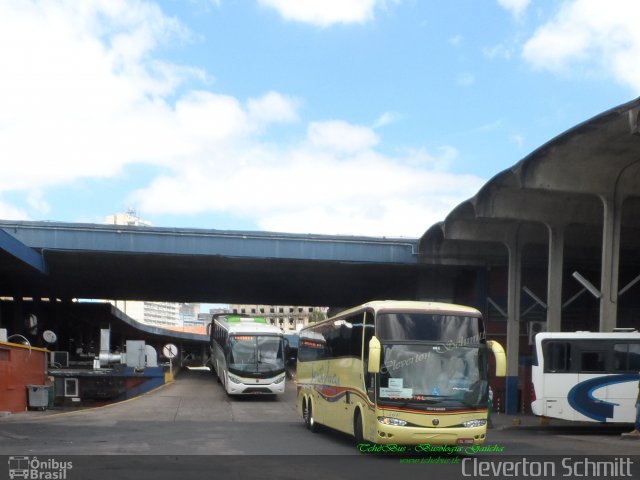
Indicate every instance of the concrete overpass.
{"type": "Point", "coordinates": [63, 260]}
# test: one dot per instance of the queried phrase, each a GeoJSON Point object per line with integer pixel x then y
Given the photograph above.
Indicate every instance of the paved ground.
{"type": "Point", "coordinates": [191, 426]}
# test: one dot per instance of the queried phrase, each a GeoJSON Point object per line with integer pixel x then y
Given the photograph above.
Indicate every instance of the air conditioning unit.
{"type": "Point", "coordinates": [534, 328]}
{"type": "Point", "coordinates": [59, 359]}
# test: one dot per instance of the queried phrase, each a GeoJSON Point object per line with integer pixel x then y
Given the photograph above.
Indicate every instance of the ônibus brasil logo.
{"type": "Point", "coordinates": [33, 468]}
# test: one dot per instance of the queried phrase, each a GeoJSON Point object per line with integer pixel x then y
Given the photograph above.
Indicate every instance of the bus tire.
{"type": "Point", "coordinates": [309, 421]}
{"type": "Point", "coordinates": [305, 413]}
{"type": "Point", "coordinates": [358, 432]}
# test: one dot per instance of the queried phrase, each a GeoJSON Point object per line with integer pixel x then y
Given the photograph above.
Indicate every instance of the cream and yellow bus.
{"type": "Point", "coordinates": [398, 372]}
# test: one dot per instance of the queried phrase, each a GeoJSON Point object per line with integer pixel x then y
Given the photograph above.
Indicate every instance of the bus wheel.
{"type": "Point", "coordinates": [305, 412]}
{"type": "Point", "coordinates": [357, 429]}
{"type": "Point", "coordinates": [309, 421]}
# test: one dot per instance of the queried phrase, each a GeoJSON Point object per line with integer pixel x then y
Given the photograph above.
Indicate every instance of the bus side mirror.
{"type": "Point", "coordinates": [501, 358]}
{"type": "Point", "coordinates": [373, 365]}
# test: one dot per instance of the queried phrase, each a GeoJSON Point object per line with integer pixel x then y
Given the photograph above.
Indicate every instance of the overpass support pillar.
{"type": "Point", "coordinates": [610, 263]}
{"type": "Point", "coordinates": [554, 278]}
{"type": "Point", "coordinates": [513, 324]}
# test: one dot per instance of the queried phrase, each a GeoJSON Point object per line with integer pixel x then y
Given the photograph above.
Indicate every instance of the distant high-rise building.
{"type": "Point", "coordinates": [289, 318]}
{"type": "Point", "coordinates": [162, 314]}
{"type": "Point", "coordinates": [130, 217]}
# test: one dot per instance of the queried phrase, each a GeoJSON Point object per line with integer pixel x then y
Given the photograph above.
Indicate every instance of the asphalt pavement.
{"type": "Point", "coordinates": [190, 427]}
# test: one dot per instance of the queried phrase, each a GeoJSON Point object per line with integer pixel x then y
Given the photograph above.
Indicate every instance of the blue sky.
{"type": "Point", "coordinates": [364, 117]}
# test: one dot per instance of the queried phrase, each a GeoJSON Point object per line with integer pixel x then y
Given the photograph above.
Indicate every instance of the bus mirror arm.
{"type": "Point", "coordinates": [373, 365]}
{"type": "Point", "coordinates": [501, 358]}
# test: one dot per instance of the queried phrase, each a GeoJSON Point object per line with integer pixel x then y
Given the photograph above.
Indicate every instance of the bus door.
{"type": "Point", "coordinates": [369, 379]}
{"type": "Point", "coordinates": [349, 370]}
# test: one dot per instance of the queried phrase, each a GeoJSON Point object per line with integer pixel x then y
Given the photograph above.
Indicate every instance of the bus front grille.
{"type": "Point", "coordinates": [256, 390]}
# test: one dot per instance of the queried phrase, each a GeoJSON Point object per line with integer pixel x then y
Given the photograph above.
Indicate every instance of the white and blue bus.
{"type": "Point", "coordinates": [586, 376]}
{"type": "Point", "coordinates": [247, 355]}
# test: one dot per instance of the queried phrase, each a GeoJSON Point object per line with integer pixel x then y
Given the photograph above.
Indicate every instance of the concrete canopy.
{"type": "Point", "coordinates": [579, 196]}
{"type": "Point", "coordinates": [584, 181]}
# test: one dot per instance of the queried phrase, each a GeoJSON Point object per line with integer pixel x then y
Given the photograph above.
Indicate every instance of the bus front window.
{"type": "Point", "coordinates": [270, 354]}
{"type": "Point", "coordinates": [256, 354]}
{"type": "Point", "coordinates": [431, 375]}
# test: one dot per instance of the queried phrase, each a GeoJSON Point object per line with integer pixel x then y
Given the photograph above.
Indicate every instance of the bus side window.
{"type": "Point", "coordinates": [356, 326]}
{"type": "Point", "coordinates": [626, 357]}
{"type": "Point", "coordinates": [634, 357]}
{"type": "Point", "coordinates": [592, 362]}
{"type": "Point", "coordinates": [621, 357]}
{"type": "Point", "coordinates": [558, 357]}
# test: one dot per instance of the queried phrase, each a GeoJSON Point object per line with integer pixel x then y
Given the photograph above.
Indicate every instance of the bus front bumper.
{"type": "Point", "coordinates": [388, 434]}
{"type": "Point", "coordinates": [246, 386]}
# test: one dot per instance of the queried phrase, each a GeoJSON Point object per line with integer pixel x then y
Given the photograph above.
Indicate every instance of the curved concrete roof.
{"type": "Point", "coordinates": [565, 182]}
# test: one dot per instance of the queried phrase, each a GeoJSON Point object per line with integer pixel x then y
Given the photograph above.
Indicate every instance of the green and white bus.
{"type": "Point", "coordinates": [247, 355]}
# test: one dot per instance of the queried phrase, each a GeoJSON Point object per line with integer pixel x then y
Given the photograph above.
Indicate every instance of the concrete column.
{"type": "Point", "coordinates": [554, 278]}
{"type": "Point", "coordinates": [513, 324]}
{"type": "Point", "coordinates": [610, 264]}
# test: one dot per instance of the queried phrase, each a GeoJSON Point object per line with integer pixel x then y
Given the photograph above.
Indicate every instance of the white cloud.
{"type": "Point", "coordinates": [518, 139]}
{"type": "Point", "coordinates": [592, 36]}
{"type": "Point", "coordinates": [456, 40]}
{"type": "Point", "coordinates": [465, 79]}
{"type": "Point", "coordinates": [80, 96]}
{"type": "Point", "coordinates": [498, 51]}
{"type": "Point", "coordinates": [386, 118]}
{"type": "Point", "coordinates": [36, 201]}
{"type": "Point", "coordinates": [341, 136]}
{"type": "Point", "coordinates": [273, 107]}
{"type": "Point", "coordinates": [84, 96]}
{"type": "Point", "coordinates": [307, 189]}
{"type": "Point", "coordinates": [325, 12]}
{"type": "Point", "coordinates": [10, 212]}
{"type": "Point", "coordinates": [516, 7]}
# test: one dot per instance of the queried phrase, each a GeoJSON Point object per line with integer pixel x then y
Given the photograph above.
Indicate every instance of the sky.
{"type": "Point", "coordinates": [349, 117]}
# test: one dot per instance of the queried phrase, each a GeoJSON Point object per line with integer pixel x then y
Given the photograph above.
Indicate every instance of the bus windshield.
{"type": "Point", "coordinates": [433, 375]}
{"type": "Point", "coordinates": [256, 354]}
{"type": "Point", "coordinates": [435, 327]}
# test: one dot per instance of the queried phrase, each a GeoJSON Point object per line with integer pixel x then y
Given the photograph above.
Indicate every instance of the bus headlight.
{"type": "Point", "coordinates": [474, 423]}
{"type": "Point", "coordinates": [396, 422]}
{"type": "Point", "coordinates": [234, 379]}
{"type": "Point", "coordinates": [279, 380]}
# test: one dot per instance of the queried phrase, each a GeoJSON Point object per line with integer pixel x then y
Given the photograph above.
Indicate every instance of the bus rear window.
{"type": "Point", "coordinates": [462, 330]}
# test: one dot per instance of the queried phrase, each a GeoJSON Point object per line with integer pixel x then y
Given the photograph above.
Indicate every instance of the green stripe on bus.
{"type": "Point", "coordinates": [238, 319]}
